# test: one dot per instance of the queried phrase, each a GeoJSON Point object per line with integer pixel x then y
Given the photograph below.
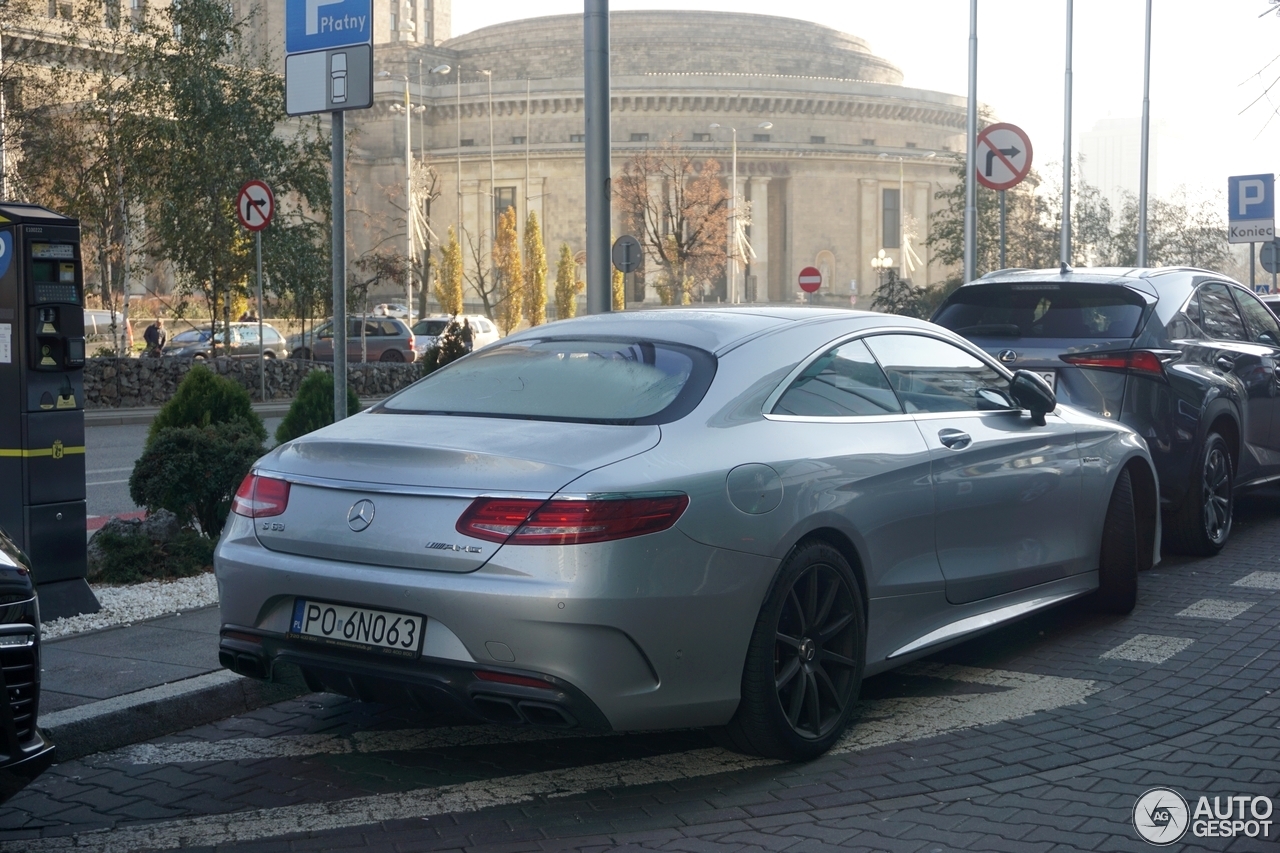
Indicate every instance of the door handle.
{"type": "Point", "coordinates": [954, 439]}
{"type": "Point", "coordinates": [1226, 365]}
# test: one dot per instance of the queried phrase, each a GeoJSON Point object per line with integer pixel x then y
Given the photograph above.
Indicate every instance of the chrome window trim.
{"type": "Point", "coordinates": [957, 341]}
{"type": "Point", "coordinates": [838, 419]}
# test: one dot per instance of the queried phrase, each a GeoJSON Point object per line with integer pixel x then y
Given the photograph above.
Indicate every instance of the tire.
{"type": "Point", "coordinates": [1201, 527]}
{"type": "Point", "coordinates": [799, 687]}
{"type": "Point", "coordinates": [301, 353]}
{"type": "Point", "coordinates": [1118, 562]}
{"type": "Point", "coordinates": [269, 355]}
{"type": "Point", "coordinates": [392, 356]}
{"type": "Point", "coordinates": [200, 357]}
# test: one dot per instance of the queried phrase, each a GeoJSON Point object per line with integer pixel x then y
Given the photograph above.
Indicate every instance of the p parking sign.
{"type": "Point", "coordinates": [1251, 209]}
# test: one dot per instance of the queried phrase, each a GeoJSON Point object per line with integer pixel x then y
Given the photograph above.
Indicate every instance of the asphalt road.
{"type": "Point", "coordinates": [1041, 736]}
{"type": "Point", "coordinates": [110, 453]}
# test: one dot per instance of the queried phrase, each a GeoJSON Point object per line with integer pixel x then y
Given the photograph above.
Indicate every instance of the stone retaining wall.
{"type": "Point", "coordinates": [115, 383]}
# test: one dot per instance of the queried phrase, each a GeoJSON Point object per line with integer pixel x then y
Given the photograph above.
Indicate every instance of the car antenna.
{"type": "Point", "coordinates": [1064, 268]}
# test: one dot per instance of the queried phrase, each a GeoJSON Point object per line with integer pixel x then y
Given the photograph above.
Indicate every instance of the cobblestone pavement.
{"type": "Point", "coordinates": [1038, 737]}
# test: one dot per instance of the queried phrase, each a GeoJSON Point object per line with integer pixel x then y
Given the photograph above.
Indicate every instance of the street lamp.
{"type": "Point", "coordinates": [493, 190]}
{"type": "Point", "coordinates": [731, 264]}
{"type": "Point", "coordinates": [408, 110]}
{"type": "Point", "coordinates": [881, 263]}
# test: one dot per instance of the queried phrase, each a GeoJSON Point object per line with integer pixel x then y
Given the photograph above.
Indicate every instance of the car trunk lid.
{"type": "Point", "coordinates": [387, 489]}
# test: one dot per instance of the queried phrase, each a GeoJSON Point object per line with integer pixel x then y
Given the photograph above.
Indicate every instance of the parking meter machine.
{"type": "Point", "coordinates": [42, 352]}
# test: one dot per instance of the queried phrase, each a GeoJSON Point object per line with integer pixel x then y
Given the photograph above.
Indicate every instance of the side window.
{"type": "Point", "coordinates": [389, 329]}
{"type": "Point", "coordinates": [325, 331]}
{"type": "Point", "coordinates": [842, 382]}
{"type": "Point", "coordinates": [1262, 325]}
{"type": "Point", "coordinates": [248, 334]}
{"type": "Point", "coordinates": [1218, 315]}
{"type": "Point", "coordinates": [930, 375]}
{"type": "Point", "coordinates": [1185, 325]}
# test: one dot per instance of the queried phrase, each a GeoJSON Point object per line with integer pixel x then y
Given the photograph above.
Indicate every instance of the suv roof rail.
{"type": "Point", "coordinates": [1001, 272]}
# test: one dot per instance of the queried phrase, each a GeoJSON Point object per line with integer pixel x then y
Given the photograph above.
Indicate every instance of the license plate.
{"type": "Point", "coordinates": [1050, 376]}
{"type": "Point", "coordinates": [380, 631]}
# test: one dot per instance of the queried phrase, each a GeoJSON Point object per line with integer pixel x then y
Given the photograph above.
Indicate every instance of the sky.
{"type": "Point", "coordinates": [1209, 60]}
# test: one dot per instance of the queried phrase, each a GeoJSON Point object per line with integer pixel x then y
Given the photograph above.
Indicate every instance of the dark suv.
{"type": "Point", "coordinates": [1186, 357]}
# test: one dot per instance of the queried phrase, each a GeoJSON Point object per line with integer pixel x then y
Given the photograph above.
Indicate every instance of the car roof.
{"type": "Point", "coordinates": [711, 328]}
{"type": "Point", "coordinates": [1131, 276]}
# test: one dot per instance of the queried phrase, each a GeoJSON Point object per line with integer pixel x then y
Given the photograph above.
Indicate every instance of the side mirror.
{"type": "Point", "coordinates": [1031, 392]}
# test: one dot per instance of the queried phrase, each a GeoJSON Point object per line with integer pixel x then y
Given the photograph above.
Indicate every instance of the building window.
{"type": "Point", "coordinates": [639, 137]}
{"type": "Point", "coordinates": [517, 140]}
{"type": "Point", "coordinates": [760, 137]}
{"type": "Point", "coordinates": [817, 140]}
{"type": "Point", "coordinates": [577, 137]}
{"type": "Point", "coordinates": [111, 14]}
{"type": "Point", "coordinates": [702, 137]}
{"type": "Point", "coordinates": [911, 145]}
{"type": "Point", "coordinates": [503, 197]}
{"type": "Point", "coordinates": [866, 141]}
{"type": "Point", "coordinates": [892, 208]}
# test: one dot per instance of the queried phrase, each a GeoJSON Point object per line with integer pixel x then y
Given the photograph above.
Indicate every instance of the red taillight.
{"type": "Point", "coordinates": [569, 522]}
{"type": "Point", "coordinates": [261, 497]}
{"type": "Point", "coordinates": [1139, 361]}
{"type": "Point", "coordinates": [506, 678]}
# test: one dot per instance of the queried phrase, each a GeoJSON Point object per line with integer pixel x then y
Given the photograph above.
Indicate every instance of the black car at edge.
{"type": "Point", "coordinates": [1186, 357]}
{"type": "Point", "coordinates": [25, 752]}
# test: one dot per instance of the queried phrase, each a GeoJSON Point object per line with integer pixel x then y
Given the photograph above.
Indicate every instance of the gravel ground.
{"type": "Point", "coordinates": [123, 605]}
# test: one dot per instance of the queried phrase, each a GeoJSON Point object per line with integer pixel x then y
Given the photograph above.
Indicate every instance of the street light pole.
{"type": "Point", "coordinates": [493, 190]}
{"type": "Point", "coordinates": [1146, 145]}
{"type": "Point", "coordinates": [528, 85]}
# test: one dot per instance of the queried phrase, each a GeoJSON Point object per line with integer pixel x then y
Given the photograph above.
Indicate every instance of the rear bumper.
{"type": "Point", "coordinates": [642, 633]}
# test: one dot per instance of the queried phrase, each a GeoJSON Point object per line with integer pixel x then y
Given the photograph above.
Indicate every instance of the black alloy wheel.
{"type": "Point", "coordinates": [392, 356]}
{"type": "Point", "coordinates": [1118, 560]}
{"type": "Point", "coordinates": [804, 665]}
{"type": "Point", "coordinates": [1204, 523]}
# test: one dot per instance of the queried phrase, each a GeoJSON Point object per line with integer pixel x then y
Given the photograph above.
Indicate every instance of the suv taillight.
{"type": "Point", "coordinates": [520, 521]}
{"type": "Point", "coordinates": [261, 497]}
{"type": "Point", "coordinates": [1142, 362]}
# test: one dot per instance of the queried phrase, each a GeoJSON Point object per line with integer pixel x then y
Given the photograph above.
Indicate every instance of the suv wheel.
{"type": "Point", "coordinates": [1118, 563]}
{"type": "Point", "coordinates": [1203, 524]}
{"type": "Point", "coordinates": [392, 355]}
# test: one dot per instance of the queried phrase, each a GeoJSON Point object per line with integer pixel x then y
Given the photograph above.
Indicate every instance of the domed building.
{"type": "Point", "coordinates": [833, 152]}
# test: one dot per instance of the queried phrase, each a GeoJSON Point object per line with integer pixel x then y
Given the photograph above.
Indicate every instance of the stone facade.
{"type": "Point", "coordinates": [844, 131]}
{"type": "Point", "coordinates": [112, 383]}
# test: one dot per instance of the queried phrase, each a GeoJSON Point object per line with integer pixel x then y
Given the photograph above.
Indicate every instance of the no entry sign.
{"type": "Point", "coordinates": [810, 279]}
{"type": "Point", "coordinates": [255, 205]}
{"type": "Point", "coordinates": [1002, 156]}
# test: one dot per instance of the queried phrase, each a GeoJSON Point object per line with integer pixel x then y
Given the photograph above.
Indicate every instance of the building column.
{"type": "Point", "coordinates": [920, 210]}
{"type": "Point", "coordinates": [759, 234]}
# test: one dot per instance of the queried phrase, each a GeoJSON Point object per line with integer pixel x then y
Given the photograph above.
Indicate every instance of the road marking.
{"type": "Point", "coordinates": [110, 470]}
{"type": "Point", "coordinates": [298, 746]}
{"type": "Point", "coordinates": [1148, 648]}
{"type": "Point", "coordinates": [107, 482]}
{"type": "Point", "coordinates": [1260, 580]}
{"type": "Point", "coordinates": [1216, 608]}
{"type": "Point", "coordinates": [883, 722]}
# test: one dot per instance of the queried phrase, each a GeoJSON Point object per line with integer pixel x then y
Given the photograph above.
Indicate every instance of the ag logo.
{"type": "Point", "coordinates": [1160, 816]}
{"type": "Point", "coordinates": [6, 251]}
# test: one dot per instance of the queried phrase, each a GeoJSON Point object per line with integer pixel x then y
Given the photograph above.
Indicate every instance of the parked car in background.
{"type": "Point", "coordinates": [426, 330]}
{"type": "Point", "coordinates": [1272, 301]}
{"type": "Point", "coordinates": [25, 752]}
{"type": "Point", "coordinates": [1186, 357]}
{"type": "Point", "coordinates": [98, 331]}
{"type": "Point", "coordinates": [392, 309]}
{"type": "Point", "coordinates": [385, 339]}
{"type": "Point", "coordinates": [198, 343]}
{"type": "Point", "coordinates": [664, 519]}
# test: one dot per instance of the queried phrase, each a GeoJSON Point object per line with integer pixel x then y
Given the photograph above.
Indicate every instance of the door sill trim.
{"type": "Point", "coordinates": [982, 621]}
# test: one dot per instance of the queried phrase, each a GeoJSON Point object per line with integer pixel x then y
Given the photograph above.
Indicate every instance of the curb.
{"type": "Point", "coordinates": [156, 711]}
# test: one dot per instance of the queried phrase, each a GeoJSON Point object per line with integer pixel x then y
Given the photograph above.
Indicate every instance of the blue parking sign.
{"type": "Point", "coordinates": [325, 24]}
{"type": "Point", "coordinates": [1251, 197]}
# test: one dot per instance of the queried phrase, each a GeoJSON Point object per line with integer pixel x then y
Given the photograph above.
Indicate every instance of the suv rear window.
{"type": "Point", "coordinates": [576, 380]}
{"type": "Point", "coordinates": [1073, 310]}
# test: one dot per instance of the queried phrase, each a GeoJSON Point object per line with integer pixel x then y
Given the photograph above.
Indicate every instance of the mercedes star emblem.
{"type": "Point", "coordinates": [1008, 356]}
{"type": "Point", "coordinates": [360, 516]}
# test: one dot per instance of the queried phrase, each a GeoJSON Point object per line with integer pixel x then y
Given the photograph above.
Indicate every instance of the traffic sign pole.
{"type": "Point", "coordinates": [1003, 265]}
{"type": "Point", "coordinates": [262, 355]}
{"type": "Point", "coordinates": [339, 252]}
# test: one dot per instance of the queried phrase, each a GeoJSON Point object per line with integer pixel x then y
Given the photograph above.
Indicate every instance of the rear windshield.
{"type": "Point", "coordinates": [433, 328]}
{"type": "Point", "coordinates": [579, 380]}
{"type": "Point", "coordinates": [1002, 310]}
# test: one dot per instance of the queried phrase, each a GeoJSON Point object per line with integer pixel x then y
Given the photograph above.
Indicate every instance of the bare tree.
{"type": "Point", "coordinates": [678, 209]}
{"type": "Point", "coordinates": [481, 275]}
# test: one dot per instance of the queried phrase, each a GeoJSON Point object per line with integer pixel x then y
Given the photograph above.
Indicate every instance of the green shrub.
{"type": "Point", "coordinates": [454, 342]}
{"type": "Point", "coordinates": [134, 557]}
{"type": "Point", "coordinates": [312, 408]}
{"type": "Point", "coordinates": [205, 398]}
{"type": "Point", "coordinates": [194, 471]}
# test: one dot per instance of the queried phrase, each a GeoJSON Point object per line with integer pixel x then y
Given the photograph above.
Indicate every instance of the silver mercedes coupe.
{"type": "Point", "coordinates": [673, 518]}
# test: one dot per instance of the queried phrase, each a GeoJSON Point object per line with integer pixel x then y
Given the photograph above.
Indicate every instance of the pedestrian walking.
{"type": "Point", "coordinates": [155, 337]}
